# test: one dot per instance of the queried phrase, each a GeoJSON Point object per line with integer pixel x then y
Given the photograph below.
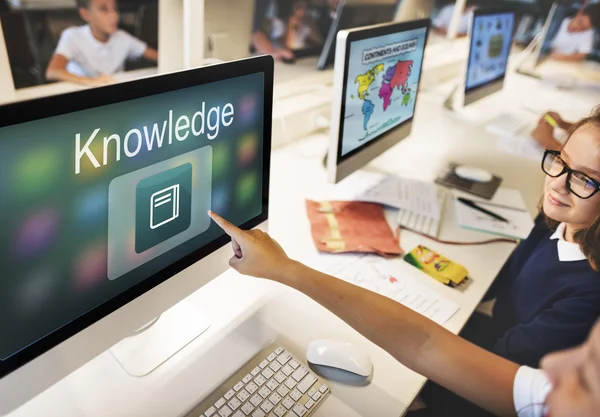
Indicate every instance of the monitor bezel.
{"type": "Point", "coordinates": [27, 111]}
{"type": "Point", "coordinates": [366, 33]}
{"type": "Point", "coordinates": [496, 84]}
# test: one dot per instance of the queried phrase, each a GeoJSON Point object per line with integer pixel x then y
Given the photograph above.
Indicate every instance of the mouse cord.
{"type": "Point", "coordinates": [450, 242]}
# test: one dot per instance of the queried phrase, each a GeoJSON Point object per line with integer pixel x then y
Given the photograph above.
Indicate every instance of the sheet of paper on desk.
{"type": "Point", "coordinates": [519, 223]}
{"type": "Point", "coordinates": [523, 147]}
{"type": "Point", "coordinates": [388, 278]}
{"type": "Point", "coordinates": [393, 191]}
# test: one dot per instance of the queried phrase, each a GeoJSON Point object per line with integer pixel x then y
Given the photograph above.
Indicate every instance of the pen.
{"type": "Point", "coordinates": [473, 205]}
{"type": "Point", "coordinates": [550, 120]}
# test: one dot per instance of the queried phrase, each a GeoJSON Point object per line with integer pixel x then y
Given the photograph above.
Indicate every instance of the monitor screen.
{"type": "Point", "coordinates": [491, 39]}
{"type": "Point", "coordinates": [380, 87]}
{"type": "Point", "coordinates": [97, 201]}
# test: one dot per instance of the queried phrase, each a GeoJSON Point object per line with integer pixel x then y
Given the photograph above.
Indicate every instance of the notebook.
{"type": "Point", "coordinates": [507, 202]}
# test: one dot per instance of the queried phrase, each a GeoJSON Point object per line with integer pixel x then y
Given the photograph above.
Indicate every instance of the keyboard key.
{"type": "Point", "coordinates": [283, 391]}
{"type": "Point", "coordinates": [247, 379]}
{"type": "Point", "coordinates": [243, 395]}
{"type": "Point", "coordinates": [283, 358]}
{"type": "Point", "coordinates": [255, 371]}
{"type": "Point", "coordinates": [260, 380]}
{"type": "Point", "coordinates": [272, 357]}
{"type": "Point", "coordinates": [323, 389]}
{"type": "Point", "coordinates": [280, 377]}
{"type": "Point", "coordinates": [294, 364]}
{"type": "Point", "coordinates": [229, 394]}
{"type": "Point", "coordinates": [295, 395]}
{"type": "Point", "coordinates": [264, 392]}
{"type": "Point", "coordinates": [275, 398]}
{"type": "Point", "coordinates": [267, 373]}
{"type": "Point", "coordinates": [238, 414]}
{"type": "Point", "coordinates": [290, 383]}
{"type": "Point", "coordinates": [312, 392]}
{"type": "Point", "coordinates": [275, 366]}
{"type": "Point", "coordinates": [234, 404]}
{"type": "Point", "coordinates": [309, 404]}
{"type": "Point", "coordinates": [211, 411]}
{"type": "Point", "coordinates": [252, 388]}
{"type": "Point", "coordinates": [280, 411]}
{"type": "Point", "coordinates": [247, 408]}
{"type": "Point", "coordinates": [258, 413]}
{"type": "Point", "coordinates": [263, 364]}
{"type": "Point", "coordinates": [317, 396]}
{"type": "Point", "coordinates": [278, 350]}
{"type": "Point", "coordinates": [300, 410]}
{"type": "Point", "coordinates": [225, 411]}
{"type": "Point", "coordinates": [238, 386]}
{"type": "Point", "coordinates": [300, 373]}
{"type": "Point", "coordinates": [267, 406]}
{"type": "Point", "coordinates": [256, 400]}
{"type": "Point", "coordinates": [220, 403]}
{"type": "Point", "coordinates": [272, 385]}
{"type": "Point", "coordinates": [287, 370]}
{"type": "Point", "coordinates": [288, 403]}
{"type": "Point", "coordinates": [306, 383]}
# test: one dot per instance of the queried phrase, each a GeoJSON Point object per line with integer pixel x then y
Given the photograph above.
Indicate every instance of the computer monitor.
{"type": "Point", "coordinates": [376, 84]}
{"type": "Point", "coordinates": [105, 195]}
{"type": "Point", "coordinates": [541, 46]}
{"type": "Point", "coordinates": [351, 14]}
{"type": "Point", "coordinates": [491, 33]}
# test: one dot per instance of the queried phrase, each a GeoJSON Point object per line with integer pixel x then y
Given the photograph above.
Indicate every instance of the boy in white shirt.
{"type": "Point", "coordinates": [92, 53]}
{"type": "Point", "coordinates": [575, 38]}
{"type": "Point", "coordinates": [441, 22]}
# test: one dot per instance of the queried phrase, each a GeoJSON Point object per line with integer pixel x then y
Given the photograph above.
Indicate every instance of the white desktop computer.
{"type": "Point", "coordinates": [539, 50]}
{"type": "Point", "coordinates": [408, 10]}
{"type": "Point", "coordinates": [490, 38]}
{"type": "Point", "coordinates": [104, 210]}
{"type": "Point", "coordinates": [376, 85]}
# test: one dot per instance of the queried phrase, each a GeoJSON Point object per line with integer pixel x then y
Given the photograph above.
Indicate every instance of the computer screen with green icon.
{"type": "Point", "coordinates": [95, 202]}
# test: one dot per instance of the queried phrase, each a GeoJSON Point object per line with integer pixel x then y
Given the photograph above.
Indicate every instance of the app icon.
{"type": "Point", "coordinates": [163, 206]}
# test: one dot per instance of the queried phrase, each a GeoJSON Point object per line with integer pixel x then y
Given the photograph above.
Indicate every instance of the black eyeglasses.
{"type": "Point", "coordinates": [580, 184]}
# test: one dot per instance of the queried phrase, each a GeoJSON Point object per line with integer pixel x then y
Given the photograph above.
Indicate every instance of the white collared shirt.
{"type": "Point", "coordinates": [569, 43]}
{"type": "Point", "coordinates": [88, 57]}
{"type": "Point", "coordinates": [567, 251]}
{"type": "Point", "coordinates": [530, 389]}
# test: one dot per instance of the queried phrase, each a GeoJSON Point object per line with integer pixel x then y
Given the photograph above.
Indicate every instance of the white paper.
{"type": "Point", "coordinates": [520, 146]}
{"type": "Point", "coordinates": [391, 190]}
{"type": "Point", "coordinates": [388, 278]}
{"type": "Point", "coordinates": [519, 223]}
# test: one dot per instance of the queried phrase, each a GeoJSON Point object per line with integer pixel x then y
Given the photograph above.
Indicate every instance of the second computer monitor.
{"type": "Point", "coordinates": [376, 82]}
{"type": "Point", "coordinates": [491, 33]}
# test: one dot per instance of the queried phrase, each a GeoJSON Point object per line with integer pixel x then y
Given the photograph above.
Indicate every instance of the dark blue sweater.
{"type": "Point", "coordinates": [543, 305]}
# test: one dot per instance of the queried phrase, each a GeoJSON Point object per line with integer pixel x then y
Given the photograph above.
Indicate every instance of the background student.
{"type": "Point", "coordinates": [575, 38]}
{"type": "Point", "coordinates": [568, 386]}
{"type": "Point", "coordinates": [441, 22]}
{"type": "Point", "coordinates": [92, 53]}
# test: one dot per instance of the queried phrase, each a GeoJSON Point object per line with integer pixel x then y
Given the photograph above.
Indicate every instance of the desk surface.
{"type": "Point", "coordinates": [247, 313]}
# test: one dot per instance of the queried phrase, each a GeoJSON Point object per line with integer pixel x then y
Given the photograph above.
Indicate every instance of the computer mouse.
{"type": "Point", "coordinates": [474, 174]}
{"type": "Point", "coordinates": [339, 355]}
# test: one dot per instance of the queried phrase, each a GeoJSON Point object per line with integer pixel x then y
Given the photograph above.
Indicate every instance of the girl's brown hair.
{"type": "Point", "coordinates": [588, 238]}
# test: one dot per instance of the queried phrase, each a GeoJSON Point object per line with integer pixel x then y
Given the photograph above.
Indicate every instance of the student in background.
{"type": "Point", "coordinates": [269, 28]}
{"type": "Point", "coordinates": [441, 23]}
{"type": "Point", "coordinates": [575, 38]}
{"type": "Point", "coordinates": [92, 53]}
{"type": "Point", "coordinates": [302, 30]}
{"type": "Point", "coordinates": [568, 385]}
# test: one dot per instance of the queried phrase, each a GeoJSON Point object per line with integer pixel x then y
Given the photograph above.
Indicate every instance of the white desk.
{"type": "Point", "coordinates": [247, 313]}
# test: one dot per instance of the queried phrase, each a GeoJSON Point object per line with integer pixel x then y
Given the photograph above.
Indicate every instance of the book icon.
{"type": "Point", "coordinates": [164, 206]}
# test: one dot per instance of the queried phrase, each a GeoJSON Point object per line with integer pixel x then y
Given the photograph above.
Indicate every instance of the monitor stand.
{"type": "Point", "coordinates": [160, 339]}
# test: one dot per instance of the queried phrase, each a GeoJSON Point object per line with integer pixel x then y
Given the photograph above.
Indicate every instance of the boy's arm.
{"type": "Point", "coordinates": [57, 71]}
{"type": "Point", "coordinates": [151, 54]}
{"type": "Point", "coordinates": [576, 57]}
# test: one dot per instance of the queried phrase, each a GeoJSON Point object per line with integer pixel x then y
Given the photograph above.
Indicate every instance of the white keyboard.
{"type": "Point", "coordinates": [272, 384]}
{"type": "Point", "coordinates": [508, 124]}
{"type": "Point", "coordinates": [420, 223]}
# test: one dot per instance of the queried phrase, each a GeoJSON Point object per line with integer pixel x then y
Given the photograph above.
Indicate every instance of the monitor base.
{"type": "Point", "coordinates": [153, 344]}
